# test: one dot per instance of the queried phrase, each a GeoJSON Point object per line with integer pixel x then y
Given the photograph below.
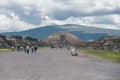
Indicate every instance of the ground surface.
{"type": "Point", "coordinates": [48, 64]}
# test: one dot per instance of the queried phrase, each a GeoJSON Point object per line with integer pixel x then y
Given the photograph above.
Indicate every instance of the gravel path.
{"type": "Point", "coordinates": [48, 64]}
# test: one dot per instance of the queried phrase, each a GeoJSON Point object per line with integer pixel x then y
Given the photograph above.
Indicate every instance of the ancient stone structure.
{"type": "Point", "coordinates": [105, 43]}
{"type": "Point", "coordinates": [8, 42]}
{"type": "Point", "coordinates": [4, 43]}
{"type": "Point", "coordinates": [63, 38]}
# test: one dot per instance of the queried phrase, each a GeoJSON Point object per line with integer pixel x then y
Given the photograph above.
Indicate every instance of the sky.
{"type": "Point", "coordinates": [18, 15]}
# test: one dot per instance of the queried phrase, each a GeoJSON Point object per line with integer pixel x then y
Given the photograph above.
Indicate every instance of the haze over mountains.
{"type": "Point", "coordinates": [85, 33]}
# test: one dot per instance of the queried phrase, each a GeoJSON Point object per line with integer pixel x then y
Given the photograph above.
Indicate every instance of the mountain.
{"type": "Point", "coordinates": [85, 33]}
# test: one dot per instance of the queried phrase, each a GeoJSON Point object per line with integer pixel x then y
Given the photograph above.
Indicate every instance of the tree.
{"type": "Point", "coordinates": [30, 38]}
{"type": "Point", "coordinates": [17, 37]}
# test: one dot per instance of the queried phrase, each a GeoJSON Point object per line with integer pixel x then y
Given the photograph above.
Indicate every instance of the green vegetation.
{"type": "Point", "coordinates": [30, 38]}
{"type": "Point", "coordinates": [17, 37]}
{"type": "Point", "coordinates": [116, 37]}
{"type": "Point", "coordinates": [105, 54]}
{"type": "Point", "coordinates": [26, 38]}
{"type": "Point", "coordinates": [5, 50]}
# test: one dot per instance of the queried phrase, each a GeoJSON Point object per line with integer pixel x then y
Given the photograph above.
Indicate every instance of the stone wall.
{"type": "Point", "coordinates": [3, 42]}
{"type": "Point", "coordinates": [112, 44]}
{"type": "Point", "coordinates": [8, 42]}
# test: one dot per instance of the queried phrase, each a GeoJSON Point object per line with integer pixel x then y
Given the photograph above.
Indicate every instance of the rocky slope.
{"type": "Point", "coordinates": [4, 43]}
{"type": "Point", "coordinates": [105, 43]}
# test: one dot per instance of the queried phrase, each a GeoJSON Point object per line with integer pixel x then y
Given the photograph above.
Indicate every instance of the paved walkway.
{"type": "Point", "coordinates": [48, 64]}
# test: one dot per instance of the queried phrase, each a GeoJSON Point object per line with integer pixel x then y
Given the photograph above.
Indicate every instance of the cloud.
{"type": "Point", "coordinates": [109, 21]}
{"type": "Point", "coordinates": [98, 13]}
{"type": "Point", "coordinates": [13, 24]}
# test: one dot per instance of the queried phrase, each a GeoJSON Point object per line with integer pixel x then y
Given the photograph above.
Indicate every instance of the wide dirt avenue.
{"type": "Point", "coordinates": [48, 64]}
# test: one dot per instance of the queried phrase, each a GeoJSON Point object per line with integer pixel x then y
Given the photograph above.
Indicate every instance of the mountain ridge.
{"type": "Point", "coordinates": [83, 32]}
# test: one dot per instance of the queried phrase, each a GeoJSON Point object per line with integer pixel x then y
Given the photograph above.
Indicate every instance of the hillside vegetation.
{"type": "Point", "coordinates": [84, 33]}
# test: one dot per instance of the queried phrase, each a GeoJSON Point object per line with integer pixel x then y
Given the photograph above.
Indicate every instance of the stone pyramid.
{"type": "Point", "coordinates": [63, 38]}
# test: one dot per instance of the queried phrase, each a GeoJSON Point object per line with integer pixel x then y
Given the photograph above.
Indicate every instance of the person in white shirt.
{"type": "Point", "coordinates": [73, 51]}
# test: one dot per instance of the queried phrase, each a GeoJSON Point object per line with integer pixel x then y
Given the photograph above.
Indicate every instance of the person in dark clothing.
{"type": "Point", "coordinates": [35, 49]}
{"type": "Point", "coordinates": [27, 49]}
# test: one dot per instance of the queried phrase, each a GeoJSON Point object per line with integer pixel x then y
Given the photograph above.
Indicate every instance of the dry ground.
{"type": "Point", "coordinates": [48, 64]}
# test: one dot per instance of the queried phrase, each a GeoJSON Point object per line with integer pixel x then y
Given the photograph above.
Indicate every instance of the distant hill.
{"type": "Point", "coordinates": [85, 33]}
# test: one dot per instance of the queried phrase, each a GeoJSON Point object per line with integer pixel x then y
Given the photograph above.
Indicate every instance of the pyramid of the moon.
{"type": "Point", "coordinates": [63, 38]}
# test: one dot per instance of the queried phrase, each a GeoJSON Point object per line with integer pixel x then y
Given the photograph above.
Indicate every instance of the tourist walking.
{"type": "Point", "coordinates": [12, 48]}
{"type": "Point", "coordinates": [27, 49]}
{"type": "Point", "coordinates": [33, 49]}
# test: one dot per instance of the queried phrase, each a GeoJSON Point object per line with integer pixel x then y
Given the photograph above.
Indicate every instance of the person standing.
{"type": "Point", "coordinates": [12, 48]}
{"type": "Point", "coordinates": [35, 49]}
{"type": "Point", "coordinates": [72, 50]}
{"type": "Point", "coordinates": [32, 49]}
{"type": "Point", "coordinates": [27, 49]}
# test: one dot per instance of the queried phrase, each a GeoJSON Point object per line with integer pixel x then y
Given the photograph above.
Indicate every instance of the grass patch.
{"type": "Point", "coordinates": [5, 50]}
{"type": "Point", "coordinates": [105, 54]}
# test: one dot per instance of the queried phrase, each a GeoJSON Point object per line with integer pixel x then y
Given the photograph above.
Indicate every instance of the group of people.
{"type": "Point", "coordinates": [29, 48]}
{"type": "Point", "coordinates": [55, 47]}
{"type": "Point", "coordinates": [71, 48]}
{"type": "Point", "coordinates": [26, 48]}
